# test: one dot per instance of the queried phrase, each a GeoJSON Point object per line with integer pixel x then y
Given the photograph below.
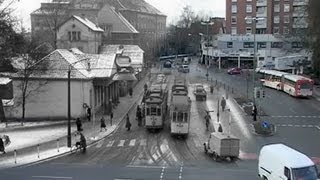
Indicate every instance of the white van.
{"type": "Point", "coordinates": [280, 162]}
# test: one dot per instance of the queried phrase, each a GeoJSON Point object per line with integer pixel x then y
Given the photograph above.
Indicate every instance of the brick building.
{"type": "Point", "coordinates": [275, 16]}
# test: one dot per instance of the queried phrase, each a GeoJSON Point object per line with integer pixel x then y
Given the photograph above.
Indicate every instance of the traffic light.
{"type": "Point", "coordinates": [257, 93]}
{"type": "Point", "coordinates": [263, 93]}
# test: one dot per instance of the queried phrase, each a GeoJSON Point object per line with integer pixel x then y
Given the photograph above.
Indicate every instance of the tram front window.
{"type": "Point", "coordinates": [180, 117]}
{"type": "Point", "coordinates": [174, 116]}
{"type": "Point", "coordinates": [185, 117]}
{"type": "Point", "coordinates": [153, 111]}
{"type": "Point", "coordinates": [159, 111]}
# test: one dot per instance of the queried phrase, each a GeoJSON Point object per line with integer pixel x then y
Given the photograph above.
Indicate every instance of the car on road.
{"type": "Point", "coordinates": [184, 68]}
{"type": "Point", "coordinates": [235, 70]}
{"type": "Point", "coordinates": [200, 92]}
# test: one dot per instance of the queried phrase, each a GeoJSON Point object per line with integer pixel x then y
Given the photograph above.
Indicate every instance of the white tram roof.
{"type": "Point", "coordinates": [273, 72]}
{"type": "Point", "coordinates": [294, 77]}
{"type": "Point", "coordinates": [182, 103]}
{"type": "Point", "coordinates": [293, 158]}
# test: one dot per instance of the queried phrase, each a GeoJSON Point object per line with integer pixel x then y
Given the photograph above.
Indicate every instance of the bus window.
{"type": "Point", "coordinates": [159, 111]}
{"type": "Point", "coordinates": [153, 111]}
{"type": "Point", "coordinates": [185, 117]}
{"type": "Point", "coordinates": [305, 85]}
{"type": "Point", "coordinates": [180, 117]}
{"type": "Point", "coordinates": [174, 116]}
{"type": "Point", "coordinates": [148, 111]}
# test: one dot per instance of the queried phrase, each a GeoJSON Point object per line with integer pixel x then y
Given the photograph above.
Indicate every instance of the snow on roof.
{"type": "Point", "coordinates": [127, 24]}
{"type": "Point", "coordinates": [4, 80]}
{"type": "Point", "coordinates": [88, 23]}
{"type": "Point", "coordinates": [182, 103]}
{"type": "Point", "coordinates": [294, 77]}
{"type": "Point", "coordinates": [273, 72]}
{"type": "Point", "coordinates": [293, 158]}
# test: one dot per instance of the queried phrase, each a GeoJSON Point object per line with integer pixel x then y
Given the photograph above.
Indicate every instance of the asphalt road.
{"type": "Point", "coordinates": [140, 154]}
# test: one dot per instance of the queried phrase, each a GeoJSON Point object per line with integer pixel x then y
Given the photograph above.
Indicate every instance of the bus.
{"type": "Point", "coordinates": [295, 85]}
{"type": "Point", "coordinates": [156, 99]}
{"type": "Point", "coordinates": [180, 108]}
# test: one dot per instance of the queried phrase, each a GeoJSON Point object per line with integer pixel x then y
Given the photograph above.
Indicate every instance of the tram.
{"type": "Point", "coordinates": [180, 108]}
{"type": "Point", "coordinates": [156, 106]}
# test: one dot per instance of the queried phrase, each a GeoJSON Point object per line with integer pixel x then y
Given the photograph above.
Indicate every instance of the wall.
{"type": "Point", "coordinates": [48, 100]}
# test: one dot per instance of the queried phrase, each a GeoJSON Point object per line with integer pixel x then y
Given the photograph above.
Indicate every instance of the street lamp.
{"type": "Point", "coordinates": [207, 23]}
{"type": "Point", "coordinates": [255, 19]}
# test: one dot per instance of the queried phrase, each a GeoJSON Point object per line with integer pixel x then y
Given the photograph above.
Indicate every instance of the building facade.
{"type": "Point", "coordinates": [274, 16]}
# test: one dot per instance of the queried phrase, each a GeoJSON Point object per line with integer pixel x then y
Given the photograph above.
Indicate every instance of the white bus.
{"type": "Point", "coordinates": [295, 85]}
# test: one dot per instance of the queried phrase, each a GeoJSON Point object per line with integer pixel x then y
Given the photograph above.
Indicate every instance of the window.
{"type": "Point", "coordinates": [248, 30]}
{"type": "Point", "coordinates": [229, 44]}
{"type": "Point", "coordinates": [74, 35]}
{"type": "Point", "coordinates": [276, 19]}
{"type": "Point", "coordinates": [275, 30]}
{"type": "Point", "coordinates": [286, 8]}
{"type": "Point", "coordinates": [296, 45]}
{"type": "Point", "coordinates": [249, 0]}
{"type": "Point", "coordinates": [234, 8]}
{"type": "Point", "coordinates": [174, 116]}
{"type": "Point", "coordinates": [276, 8]}
{"type": "Point", "coordinates": [180, 117]}
{"type": "Point", "coordinates": [234, 30]}
{"type": "Point", "coordinates": [262, 45]}
{"type": "Point", "coordinates": [234, 20]}
{"type": "Point", "coordinates": [185, 117]}
{"type": "Point", "coordinates": [276, 45]}
{"type": "Point", "coordinates": [248, 45]}
{"type": "Point", "coordinates": [286, 30]}
{"type": "Point", "coordinates": [249, 8]}
{"type": "Point", "coordinates": [287, 172]}
{"type": "Point", "coordinates": [234, 0]}
{"type": "Point", "coordinates": [286, 19]}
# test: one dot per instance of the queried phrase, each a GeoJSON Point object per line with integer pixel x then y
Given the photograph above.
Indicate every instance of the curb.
{"type": "Point", "coordinates": [35, 127]}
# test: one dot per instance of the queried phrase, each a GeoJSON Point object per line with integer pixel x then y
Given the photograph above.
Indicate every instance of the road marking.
{"type": "Point", "coordinates": [99, 144]}
{"type": "Point", "coordinates": [310, 126]}
{"type": "Point", "coordinates": [121, 143]}
{"type": "Point", "coordinates": [290, 125]}
{"type": "Point", "coordinates": [51, 177]}
{"type": "Point", "coordinates": [318, 127]}
{"type": "Point", "coordinates": [110, 143]}
{"type": "Point", "coordinates": [146, 167]}
{"type": "Point", "coordinates": [143, 142]}
{"type": "Point", "coordinates": [296, 125]}
{"type": "Point", "coordinates": [132, 142]}
{"type": "Point", "coordinates": [304, 125]}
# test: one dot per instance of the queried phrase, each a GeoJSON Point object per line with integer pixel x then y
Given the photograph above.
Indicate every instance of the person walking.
{"type": "Point", "coordinates": [223, 103]}
{"type": "Point", "coordinates": [83, 142]}
{"type": "Point", "coordinates": [89, 114]}
{"type": "Point", "coordinates": [79, 125]}
{"type": "Point", "coordinates": [220, 128]}
{"type": "Point", "coordinates": [254, 112]}
{"type": "Point", "coordinates": [128, 124]}
{"type": "Point", "coordinates": [103, 124]}
{"type": "Point", "coordinates": [145, 88]}
{"type": "Point", "coordinates": [130, 91]}
{"type": "Point", "coordinates": [207, 118]}
{"type": "Point", "coordinates": [2, 146]}
{"type": "Point", "coordinates": [111, 117]}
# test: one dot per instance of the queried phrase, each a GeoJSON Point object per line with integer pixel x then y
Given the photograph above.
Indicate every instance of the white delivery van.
{"type": "Point", "coordinates": [280, 162]}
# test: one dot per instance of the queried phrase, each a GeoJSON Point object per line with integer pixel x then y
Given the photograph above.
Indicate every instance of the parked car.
{"type": "Point", "coordinates": [235, 70]}
{"type": "Point", "coordinates": [200, 92]}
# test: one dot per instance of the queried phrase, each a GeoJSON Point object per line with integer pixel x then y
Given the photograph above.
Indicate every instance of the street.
{"type": "Point", "coordinates": [140, 154]}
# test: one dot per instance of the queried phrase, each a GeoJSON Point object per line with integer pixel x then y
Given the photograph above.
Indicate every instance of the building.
{"type": "Point", "coordinates": [276, 16]}
{"type": "Point", "coordinates": [123, 22]}
{"type": "Point", "coordinates": [80, 33]}
{"type": "Point", "coordinates": [92, 85]}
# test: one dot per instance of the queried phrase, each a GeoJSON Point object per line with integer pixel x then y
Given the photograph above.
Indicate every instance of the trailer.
{"type": "Point", "coordinates": [222, 146]}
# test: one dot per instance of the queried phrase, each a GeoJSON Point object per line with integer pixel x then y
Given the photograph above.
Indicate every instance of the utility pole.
{"type": "Point", "coordinates": [69, 110]}
{"type": "Point", "coordinates": [207, 23]}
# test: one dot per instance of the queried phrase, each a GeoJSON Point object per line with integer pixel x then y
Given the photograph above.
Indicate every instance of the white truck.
{"type": "Point", "coordinates": [221, 146]}
{"type": "Point", "coordinates": [278, 161]}
{"type": "Point", "coordinates": [287, 62]}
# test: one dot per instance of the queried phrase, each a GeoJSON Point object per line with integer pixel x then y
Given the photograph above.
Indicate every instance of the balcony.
{"type": "Point", "coordinates": [261, 3]}
{"type": "Point", "coordinates": [300, 2]}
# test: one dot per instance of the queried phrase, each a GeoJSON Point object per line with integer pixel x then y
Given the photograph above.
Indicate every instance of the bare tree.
{"type": "Point", "coordinates": [187, 17]}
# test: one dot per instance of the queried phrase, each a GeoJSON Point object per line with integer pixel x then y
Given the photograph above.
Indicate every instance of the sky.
{"type": "Point", "coordinates": [172, 8]}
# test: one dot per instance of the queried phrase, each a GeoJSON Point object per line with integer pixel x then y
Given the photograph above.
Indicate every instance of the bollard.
{"type": "Point", "coordinates": [15, 156]}
{"type": "Point", "coordinates": [58, 144]}
{"type": "Point", "coordinates": [38, 148]}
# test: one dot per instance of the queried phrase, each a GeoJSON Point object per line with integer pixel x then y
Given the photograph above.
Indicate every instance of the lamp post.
{"type": "Point", "coordinates": [207, 23]}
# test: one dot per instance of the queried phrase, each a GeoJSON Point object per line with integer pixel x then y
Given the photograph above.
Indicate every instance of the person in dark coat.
{"type": "Point", "coordinates": [145, 88]}
{"type": "Point", "coordinates": [2, 146]}
{"type": "Point", "coordinates": [111, 117]}
{"type": "Point", "coordinates": [83, 142]}
{"type": "Point", "coordinates": [220, 128]}
{"type": "Point", "coordinates": [103, 124]}
{"type": "Point", "coordinates": [128, 124]}
{"type": "Point", "coordinates": [254, 112]}
{"type": "Point", "coordinates": [79, 125]}
{"type": "Point", "coordinates": [89, 114]}
{"type": "Point", "coordinates": [223, 103]}
{"type": "Point", "coordinates": [130, 91]}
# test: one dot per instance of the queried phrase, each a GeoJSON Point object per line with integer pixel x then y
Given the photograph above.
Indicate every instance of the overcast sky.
{"type": "Point", "coordinates": [172, 8]}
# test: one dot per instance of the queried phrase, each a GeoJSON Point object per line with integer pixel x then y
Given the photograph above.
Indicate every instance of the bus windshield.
{"type": "Point", "coordinates": [305, 85]}
{"type": "Point", "coordinates": [305, 173]}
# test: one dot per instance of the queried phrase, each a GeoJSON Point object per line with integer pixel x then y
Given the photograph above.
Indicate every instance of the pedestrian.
{"type": "Point", "coordinates": [128, 124]}
{"type": "Point", "coordinates": [83, 142]}
{"type": "Point", "coordinates": [130, 91]}
{"type": "Point", "coordinates": [103, 124]}
{"type": "Point", "coordinates": [111, 117]}
{"type": "Point", "coordinates": [223, 103]}
{"type": "Point", "coordinates": [2, 146]}
{"type": "Point", "coordinates": [254, 112]}
{"type": "Point", "coordinates": [207, 118]}
{"type": "Point", "coordinates": [79, 125]}
{"type": "Point", "coordinates": [89, 114]}
{"type": "Point", "coordinates": [145, 88]}
{"type": "Point", "coordinates": [220, 128]}
{"type": "Point", "coordinates": [138, 115]}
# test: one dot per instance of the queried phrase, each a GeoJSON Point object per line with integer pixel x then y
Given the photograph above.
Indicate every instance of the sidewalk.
{"type": "Point", "coordinates": [51, 140]}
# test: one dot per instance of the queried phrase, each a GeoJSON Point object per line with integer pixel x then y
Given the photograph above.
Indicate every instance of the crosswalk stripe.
{"type": "Point", "coordinates": [121, 143]}
{"type": "Point", "coordinates": [132, 142]}
{"type": "Point", "coordinates": [143, 142]}
{"type": "Point", "coordinates": [99, 144]}
{"type": "Point", "coordinates": [110, 143]}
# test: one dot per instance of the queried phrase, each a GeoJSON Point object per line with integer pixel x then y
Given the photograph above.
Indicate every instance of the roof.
{"type": "Point", "coordinates": [220, 135]}
{"type": "Point", "coordinates": [293, 158]}
{"type": "Point", "coordinates": [182, 103]}
{"type": "Point", "coordinates": [4, 81]}
{"type": "Point", "coordinates": [294, 77]}
{"type": "Point", "coordinates": [127, 26]}
{"type": "Point", "coordinates": [273, 72]}
{"type": "Point", "coordinates": [87, 23]}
